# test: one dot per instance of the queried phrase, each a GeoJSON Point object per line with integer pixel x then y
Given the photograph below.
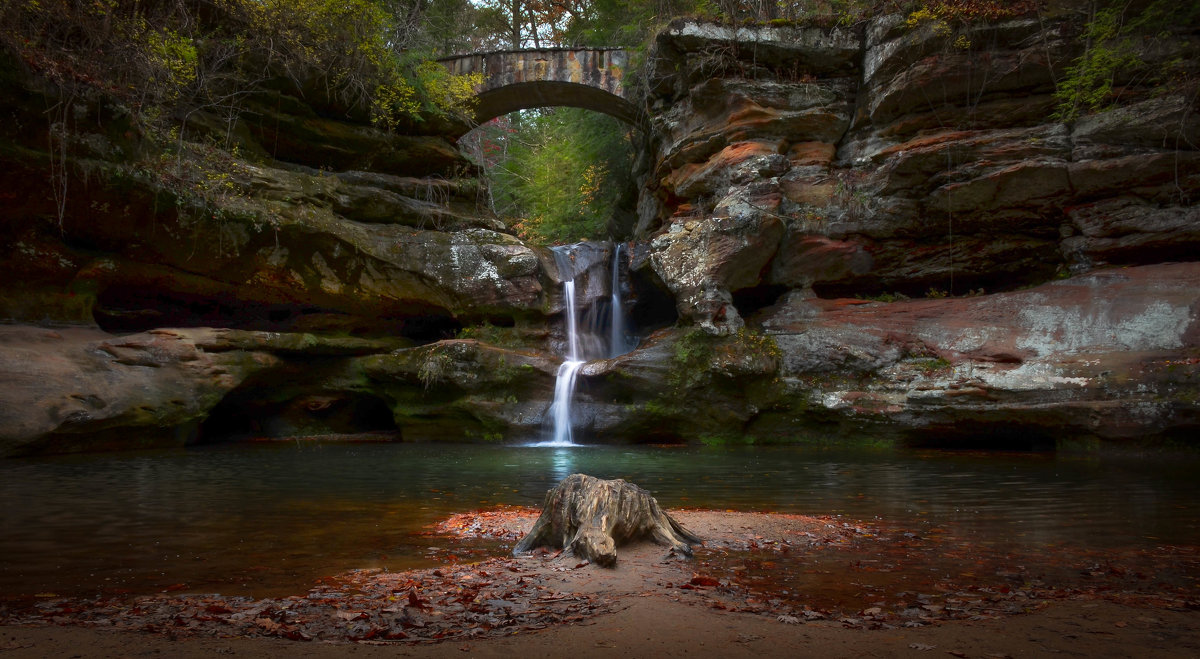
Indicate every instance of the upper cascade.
{"type": "Point", "coordinates": [595, 321]}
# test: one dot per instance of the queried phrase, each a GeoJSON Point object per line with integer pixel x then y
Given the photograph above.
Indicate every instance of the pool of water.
{"type": "Point", "coordinates": [265, 519]}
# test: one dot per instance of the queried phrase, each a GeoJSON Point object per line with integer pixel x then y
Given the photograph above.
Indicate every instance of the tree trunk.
{"type": "Point", "coordinates": [590, 517]}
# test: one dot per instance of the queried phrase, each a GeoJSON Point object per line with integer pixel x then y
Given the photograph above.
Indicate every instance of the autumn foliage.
{"type": "Point", "coordinates": [972, 10]}
{"type": "Point", "coordinates": [159, 58]}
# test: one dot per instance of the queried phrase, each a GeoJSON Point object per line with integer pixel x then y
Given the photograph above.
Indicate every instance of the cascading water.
{"type": "Point", "coordinates": [586, 337]}
{"type": "Point", "coordinates": [618, 342]}
{"type": "Point", "coordinates": [564, 385]}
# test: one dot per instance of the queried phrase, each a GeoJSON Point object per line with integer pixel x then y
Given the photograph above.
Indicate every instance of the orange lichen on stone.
{"type": "Point", "coordinates": [811, 153]}
{"type": "Point", "coordinates": [753, 114]}
{"type": "Point", "coordinates": [736, 153]}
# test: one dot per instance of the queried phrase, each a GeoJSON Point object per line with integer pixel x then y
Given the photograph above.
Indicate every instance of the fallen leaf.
{"type": "Point", "coordinates": [268, 625]}
{"type": "Point", "coordinates": [417, 602]}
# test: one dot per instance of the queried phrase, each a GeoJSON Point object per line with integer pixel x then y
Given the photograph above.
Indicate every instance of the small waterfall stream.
{"type": "Point", "coordinates": [564, 385]}
{"type": "Point", "coordinates": [587, 336]}
{"type": "Point", "coordinates": [619, 342]}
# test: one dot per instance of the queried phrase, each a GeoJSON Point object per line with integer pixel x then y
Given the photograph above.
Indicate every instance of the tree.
{"type": "Point", "coordinates": [555, 174]}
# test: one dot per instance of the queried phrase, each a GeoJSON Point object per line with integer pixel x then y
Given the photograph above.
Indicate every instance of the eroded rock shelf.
{"type": "Point", "coordinates": [842, 234]}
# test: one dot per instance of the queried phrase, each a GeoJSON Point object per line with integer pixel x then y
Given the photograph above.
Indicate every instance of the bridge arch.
{"type": "Point", "coordinates": [590, 78]}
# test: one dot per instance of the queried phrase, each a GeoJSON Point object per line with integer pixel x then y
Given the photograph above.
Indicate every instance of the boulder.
{"type": "Point", "coordinates": [76, 389]}
{"type": "Point", "coordinates": [703, 262]}
{"type": "Point", "coordinates": [463, 389]}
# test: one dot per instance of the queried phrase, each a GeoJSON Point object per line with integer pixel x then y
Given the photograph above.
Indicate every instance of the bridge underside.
{"type": "Point", "coordinates": [545, 93]}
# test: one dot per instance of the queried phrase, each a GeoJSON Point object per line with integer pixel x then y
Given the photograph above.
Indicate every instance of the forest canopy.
{"type": "Point", "coordinates": [365, 57]}
{"type": "Point", "coordinates": [555, 174]}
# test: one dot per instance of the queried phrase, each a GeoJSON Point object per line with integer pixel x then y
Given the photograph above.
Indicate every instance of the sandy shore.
{"type": "Point", "coordinates": [736, 598]}
{"type": "Point", "coordinates": [648, 627]}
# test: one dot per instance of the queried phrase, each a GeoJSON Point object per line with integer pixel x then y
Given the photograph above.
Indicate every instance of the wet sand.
{"type": "Point", "coordinates": [649, 605]}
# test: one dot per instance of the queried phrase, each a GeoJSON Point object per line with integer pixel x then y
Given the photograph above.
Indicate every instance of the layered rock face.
{"type": "Point", "coordinates": [901, 159]}
{"type": "Point", "coordinates": [800, 173]}
{"type": "Point", "coordinates": [70, 389]}
{"type": "Point", "coordinates": [870, 233]}
{"type": "Point", "coordinates": [95, 233]}
{"type": "Point", "coordinates": [316, 240]}
{"type": "Point", "coordinates": [1109, 355]}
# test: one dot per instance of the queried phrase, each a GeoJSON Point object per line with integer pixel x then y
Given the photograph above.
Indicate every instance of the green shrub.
{"type": "Point", "coordinates": [1110, 53]}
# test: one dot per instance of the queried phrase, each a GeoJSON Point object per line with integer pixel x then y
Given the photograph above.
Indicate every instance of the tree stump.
{"type": "Point", "coordinates": [590, 517]}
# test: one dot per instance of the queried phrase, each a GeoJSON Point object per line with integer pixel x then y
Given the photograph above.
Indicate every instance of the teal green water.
{"type": "Point", "coordinates": [270, 518]}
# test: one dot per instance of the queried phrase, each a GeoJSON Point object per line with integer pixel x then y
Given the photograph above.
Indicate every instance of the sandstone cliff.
{"type": "Point", "coordinates": [869, 232]}
{"type": "Point", "coordinates": [807, 182]}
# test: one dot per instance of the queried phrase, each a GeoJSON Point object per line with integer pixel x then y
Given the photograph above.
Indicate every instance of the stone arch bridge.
{"type": "Point", "coordinates": [591, 78]}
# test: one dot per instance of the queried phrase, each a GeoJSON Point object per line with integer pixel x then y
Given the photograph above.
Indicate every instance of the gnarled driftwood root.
{"type": "Point", "coordinates": [590, 517]}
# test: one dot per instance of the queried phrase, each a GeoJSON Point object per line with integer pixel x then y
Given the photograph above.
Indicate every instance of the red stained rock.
{"type": "Point", "coordinates": [811, 153]}
{"type": "Point", "coordinates": [806, 259]}
{"type": "Point", "coordinates": [1087, 355]}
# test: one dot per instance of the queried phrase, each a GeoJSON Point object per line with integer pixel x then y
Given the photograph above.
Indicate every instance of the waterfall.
{"type": "Point", "coordinates": [618, 342]}
{"type": "Point", "coordinates": [586, 337]}
{"type": "Point", "coordinates": [560, 409]}
{"type": "Point", "coordinates": [564, 385]}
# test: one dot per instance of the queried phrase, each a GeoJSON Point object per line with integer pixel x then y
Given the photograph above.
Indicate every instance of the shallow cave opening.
{"type": "Point", "coordinates": [130, 308]}
{"type": "Point", "coordinates": [245, 415]}
{"type": "Point", "coordinates": [984, 437]}
{"type": "Point", "coordinates": [749, 300]}
{"type": "Point", "coordinates": [429, 328]}
{"type": "Point", "coordinates": [963, 284]}
{"type": "Point", "coordinates": [639, 434]}
{"type": "Point", "coordinates": [652, 307]}
{"type": "Point", "coordinates": [1152, 253]}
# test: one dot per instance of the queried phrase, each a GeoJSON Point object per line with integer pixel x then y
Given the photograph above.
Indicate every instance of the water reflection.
{"type": "Point", "coordinates": [221, 517]}
{"type": "Point", "coordinates": [562, 463]}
